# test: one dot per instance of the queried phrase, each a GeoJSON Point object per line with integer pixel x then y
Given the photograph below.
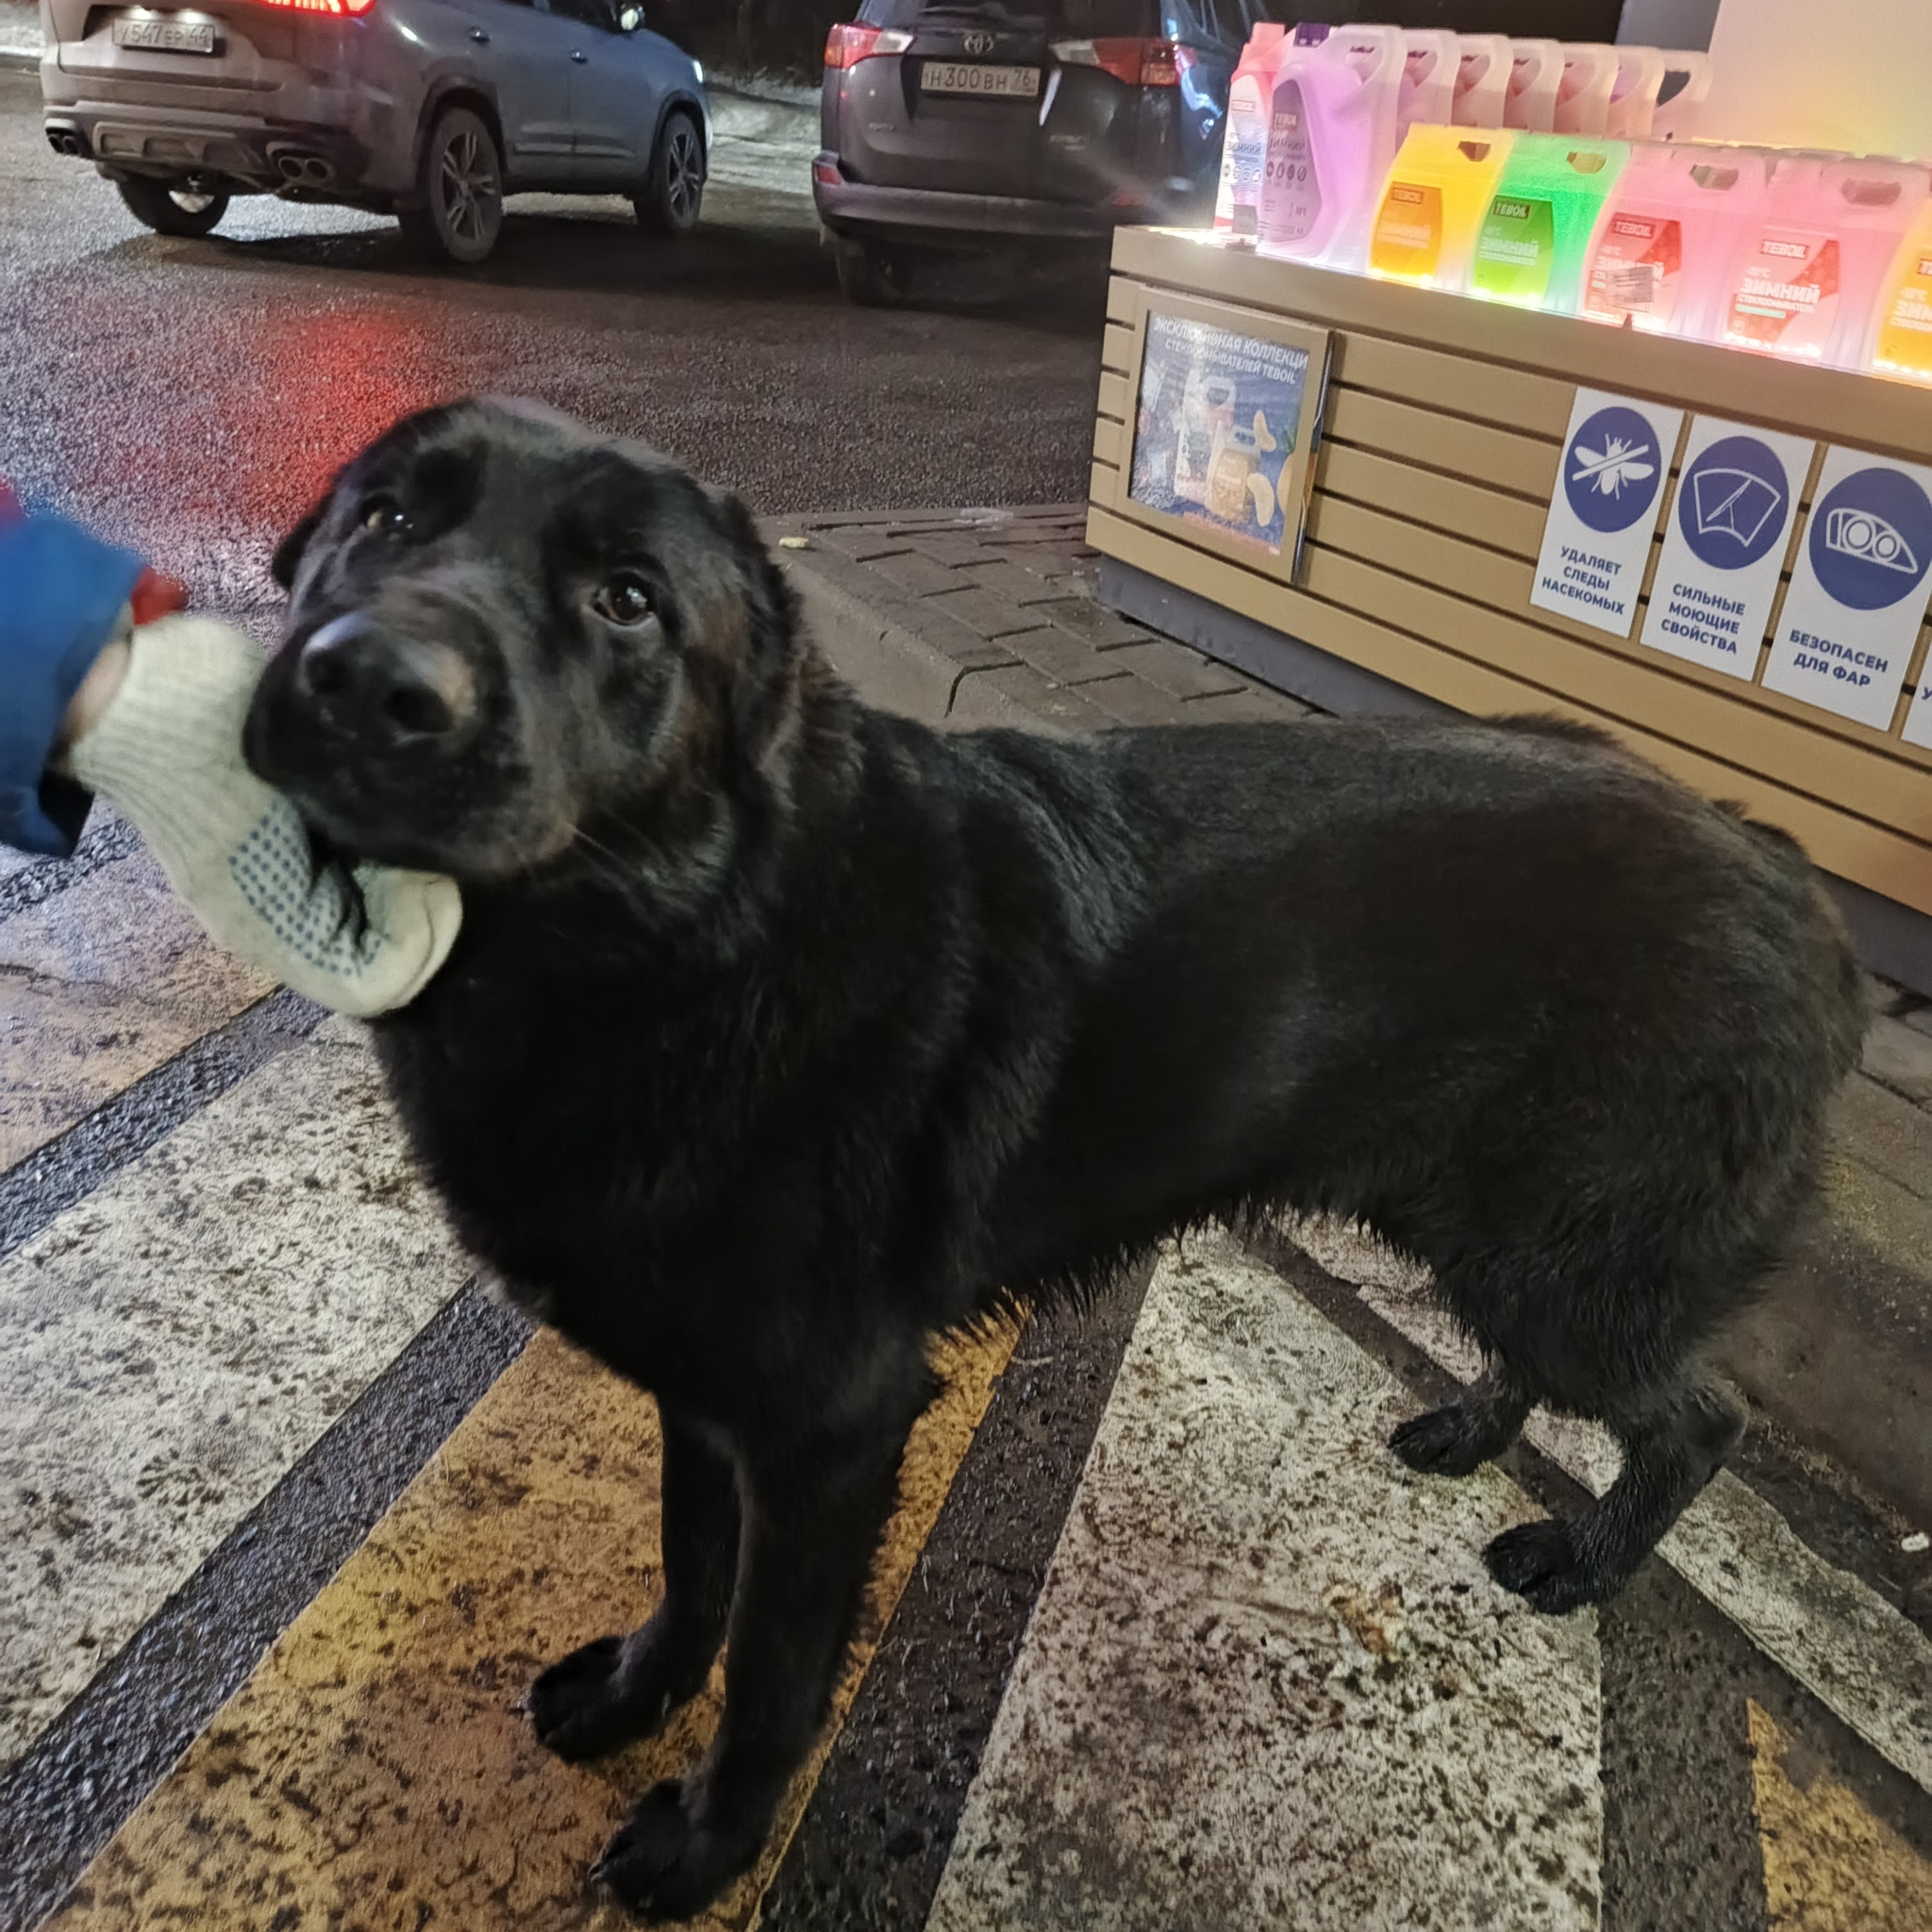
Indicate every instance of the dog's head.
{"type": "Point", "coordinates": [507, 635]}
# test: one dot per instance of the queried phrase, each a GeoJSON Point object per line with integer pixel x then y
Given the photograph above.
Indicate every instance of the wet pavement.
{"type": "Point", "coordinates": [193, 398]}
{"type": "Point", "coordinates": [290, 1513]}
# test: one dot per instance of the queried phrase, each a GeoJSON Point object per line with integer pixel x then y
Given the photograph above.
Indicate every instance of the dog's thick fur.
{"type": "Point", "coordinates": [783, 1033]}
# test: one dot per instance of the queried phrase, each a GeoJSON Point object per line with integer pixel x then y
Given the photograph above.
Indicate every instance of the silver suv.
{"type": "Point", "coordinates": [432, 110]}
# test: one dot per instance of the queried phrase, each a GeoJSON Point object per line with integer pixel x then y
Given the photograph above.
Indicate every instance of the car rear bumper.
{"type": "Point", "coordinates": [245, 149]}
{"type": "Point", "coordinates": [907, 214]}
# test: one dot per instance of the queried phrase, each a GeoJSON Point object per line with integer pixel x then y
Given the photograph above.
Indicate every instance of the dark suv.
{"type": "Point", "coordinates": [951, 122]}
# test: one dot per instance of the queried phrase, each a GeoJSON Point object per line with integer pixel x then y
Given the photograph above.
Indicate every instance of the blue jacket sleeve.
{"type": "Point", "coordinates": [62, 596]}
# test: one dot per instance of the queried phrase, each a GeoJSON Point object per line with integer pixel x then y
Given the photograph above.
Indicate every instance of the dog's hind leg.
{"type": "Point", "coordinates": [1480, 1424]}
{"type": "Point", "coordinates": [1669, 1452]}
{"type": "Point", "coordinates": [620, 1689]}
{"type": "Point", "coordinates": [813, 1514]}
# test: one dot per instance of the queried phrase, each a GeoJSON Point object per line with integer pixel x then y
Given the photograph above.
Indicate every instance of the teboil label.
{"type": "Point", "coordinates": [1604, 509]}
{"type": "Point", "coordinates": [1724, 544]}
{"type": "Point", "coordinates": [1859, 589]}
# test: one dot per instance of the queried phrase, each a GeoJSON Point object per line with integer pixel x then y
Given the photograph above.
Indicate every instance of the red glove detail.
{"type": "Point", "coordinates": [157, 596]}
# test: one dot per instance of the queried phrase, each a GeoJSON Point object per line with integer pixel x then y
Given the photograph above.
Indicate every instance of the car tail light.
{"type": "Point", "coordinates": [1138, 63]}
{"type": "Point", "coordinates": [846, 46]}
{"type": "Point", "coordinates": [335, 7]}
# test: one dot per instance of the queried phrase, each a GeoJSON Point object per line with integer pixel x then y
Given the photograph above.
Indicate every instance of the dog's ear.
{"type": "Point", "coordinates": [773, 601]}
{"type": "Point", "coordinates": [288, 557]}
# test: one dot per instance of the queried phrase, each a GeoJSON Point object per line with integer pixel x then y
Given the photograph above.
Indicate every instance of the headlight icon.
{"type": "Point", "coordinates": [1859, 533]}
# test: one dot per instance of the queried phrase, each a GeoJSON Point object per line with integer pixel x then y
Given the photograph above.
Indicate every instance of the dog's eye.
{"type": "Point", "coordinates": [386, 516]}
{"type": "Point", "coordinates": [625, 600]}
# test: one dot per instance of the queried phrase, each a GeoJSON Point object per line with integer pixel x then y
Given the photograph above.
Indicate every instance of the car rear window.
{"type": "Point", "coordinates": [1082, 19]}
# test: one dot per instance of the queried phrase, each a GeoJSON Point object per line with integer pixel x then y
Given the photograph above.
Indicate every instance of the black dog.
{"type": "Point", "coordinates": [783, 1033]}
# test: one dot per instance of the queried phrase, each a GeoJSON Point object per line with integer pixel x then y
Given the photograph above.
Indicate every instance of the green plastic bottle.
{"type": "Point", "coordinates": [1535, 239]}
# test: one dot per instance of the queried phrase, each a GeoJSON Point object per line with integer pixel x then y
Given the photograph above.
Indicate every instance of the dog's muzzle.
{"type": "Point", "coordinates": [366, 685]}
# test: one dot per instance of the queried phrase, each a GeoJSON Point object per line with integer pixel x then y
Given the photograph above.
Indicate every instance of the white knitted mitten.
{"type": "Point", "coordinates": [168, 752]}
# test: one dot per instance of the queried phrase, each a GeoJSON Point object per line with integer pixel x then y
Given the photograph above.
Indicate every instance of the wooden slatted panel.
{"type": "Point", "coordinates": [1116, 398]}
{"type": "Point", "coordinates": [1855, 848]}
{"type": "Point", "coordinates": [1445, 503]}
{"type": "Point", "coordinates": [1508, 398]}
{"type": "Point", "coordinates": [1866, 781]}
{"type": "Point", "coordinates": [1109, 441]}
{"type": "Point", "coordinates": [1498, 457]}
{"type": "Point", "coordinates": [1430, 496]}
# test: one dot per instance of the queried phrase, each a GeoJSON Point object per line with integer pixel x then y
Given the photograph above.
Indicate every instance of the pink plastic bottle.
{"type": "Point", "coordinates": [1429, 73]}
{"type": "Point", "coordinates": [1670, 231]}
{"type": "Point", "coordinates": [1244, 147]}
{"type": "Point", "coordinates": [1583, 93]}
{"type": "Point", "coordinates": [1331, 139]}
{"type": "Point", "coordinates": [1482, 79]}
{"type": "Point", "coordinates": [1535, 76]}
{"type": "Point", "coordinates": [1809, 272]}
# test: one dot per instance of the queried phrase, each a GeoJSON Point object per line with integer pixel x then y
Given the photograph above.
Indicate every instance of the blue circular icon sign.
{"type": "Point", "coordinates": [1612, 470]}
{"type": "Point", "coordinates": [1871, 540]}
{"type": "Point", "coordinates": [1734, 503]}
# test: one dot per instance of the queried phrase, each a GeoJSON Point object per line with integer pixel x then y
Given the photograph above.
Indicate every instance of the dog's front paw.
{"type": "Point", "coordinates": [606, 1695]}
{"type": "Point", "coordinates": [1539, 1561]}
{"type": "Point", "coordinates": [1445, 1441]}
{"type": "Point", "coordinates": [666, 1862]}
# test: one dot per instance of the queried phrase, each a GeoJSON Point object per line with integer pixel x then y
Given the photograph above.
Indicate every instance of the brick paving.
{"type": "Point", "coordinates": [1007, 598]}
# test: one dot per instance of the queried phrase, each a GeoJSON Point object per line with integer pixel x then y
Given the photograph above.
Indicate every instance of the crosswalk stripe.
{"type": "Point", "coordinates": [170, 1345]}
{"type": "Point", "coordinates": [374, 1769]}
{"type": "Point", "coordinates": [1838, 1638]}
{"type": "Point", "coordinates": [1267, 1681]}
{"type": "Point", "coordinates": [98, 985]}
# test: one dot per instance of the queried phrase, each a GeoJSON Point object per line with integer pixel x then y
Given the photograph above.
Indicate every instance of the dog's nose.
{"type": "Point", "coordinates": [381, 687]}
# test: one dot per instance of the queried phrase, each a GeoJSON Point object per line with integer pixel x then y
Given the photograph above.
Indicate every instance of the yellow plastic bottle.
{"type": "Point", "coordinates": [1433, 204]}
{"type": "Point", "coordinates": [1902, 336]}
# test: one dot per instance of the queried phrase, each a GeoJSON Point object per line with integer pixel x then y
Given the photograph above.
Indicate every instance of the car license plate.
{"type": "Point", "coordinates": [165, 33]}
{"type": "Point", "coordinates": [975, 77]}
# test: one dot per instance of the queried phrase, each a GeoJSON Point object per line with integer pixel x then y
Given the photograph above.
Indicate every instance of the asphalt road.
{"type": "Point", "coordinates": [194, 397]}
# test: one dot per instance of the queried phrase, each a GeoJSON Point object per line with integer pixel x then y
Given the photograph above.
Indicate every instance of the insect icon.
{"type": "Point", "coordinates": [1620, 462]}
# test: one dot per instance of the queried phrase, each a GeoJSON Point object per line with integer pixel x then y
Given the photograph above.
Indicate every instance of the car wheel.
{"type": "Point", "coordinates": [174, 207]}
{"type": "Point", "coordinates": [870, 276]}
{"type": "Point", "coordinates": [459, 213]}
{"type": "Point", "coordinates": [670, 198]}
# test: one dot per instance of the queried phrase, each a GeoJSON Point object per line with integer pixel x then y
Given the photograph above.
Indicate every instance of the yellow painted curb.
{"type": "Point", "coordinates": [375, 1773]}
{"type": "Point", "coordinates": [1829, 1866]}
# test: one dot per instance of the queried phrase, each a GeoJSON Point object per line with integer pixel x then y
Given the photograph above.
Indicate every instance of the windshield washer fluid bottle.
{"type": "Point", "coordinates": [1331, 137]}
{"type": "Point", "coordinates": [1902, 324]}
{"type": "Point", "coordinates": [1536, 236]}
{"type": "Point", "coordinates": [1670, 231]}
{"type": "Point", "coordinates": [1429, 74]}
{"type": "Point", "coordinates": [1633, 95]}
{"type": "Point", "coordinates": [1536, 74]}
{"type": "Point", "coordinates": [1482, 79]}
{"type": "Point", "coordinates": [1437, 193]}
{"type": "Point", "coordinates": [1244, 147]}
{"type": "Point", "coordinates": [1807, 279]}
{"type": "Point", "coordinates": [1583, 93]}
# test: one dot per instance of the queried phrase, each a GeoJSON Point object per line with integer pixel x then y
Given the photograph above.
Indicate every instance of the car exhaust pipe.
{"type": "Point", "coordinates": [304, 171]}
{"type": "Point", "coordinates": [68, 140]}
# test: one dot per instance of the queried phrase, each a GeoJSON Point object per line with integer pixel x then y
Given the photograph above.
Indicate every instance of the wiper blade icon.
{"type": "Point", "coordinates": [1732, 502]}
